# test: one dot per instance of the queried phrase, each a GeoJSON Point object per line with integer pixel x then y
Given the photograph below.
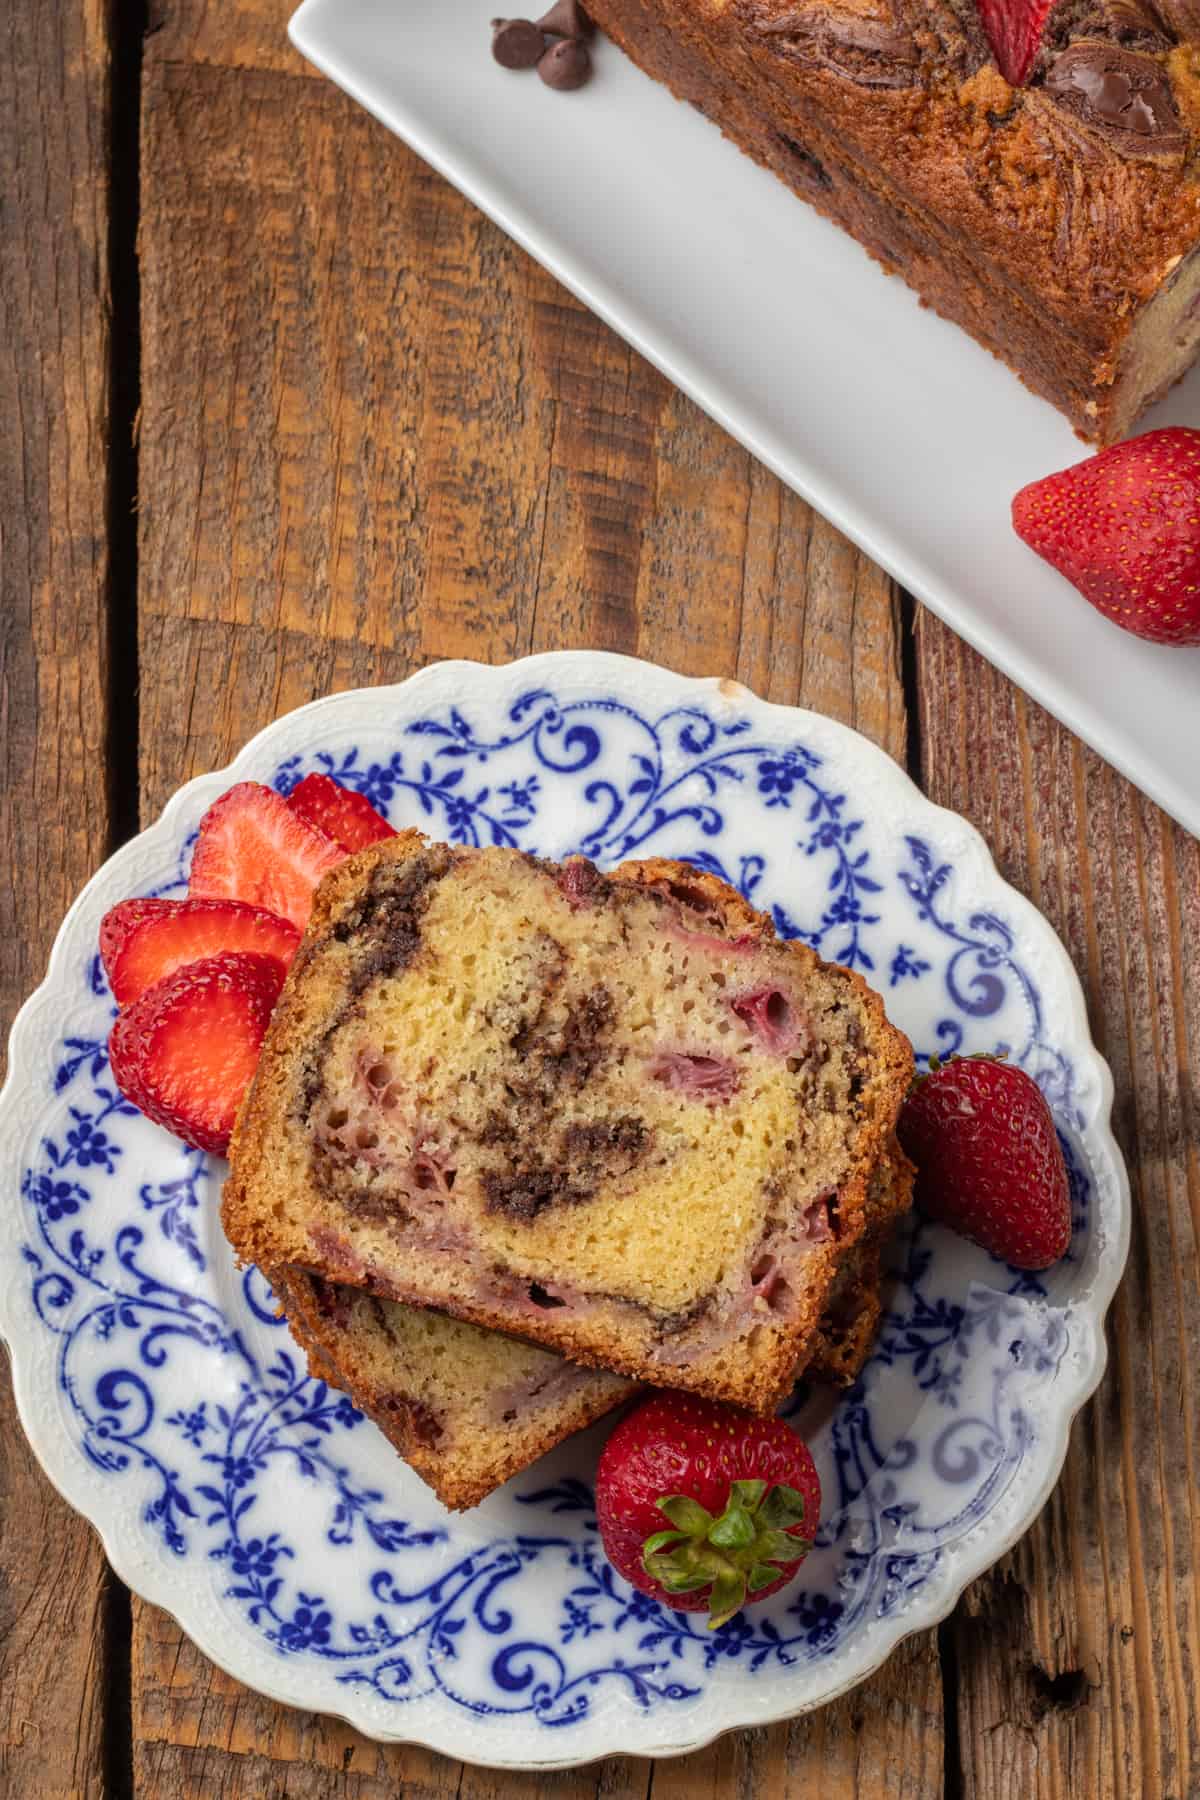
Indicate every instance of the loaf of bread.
{"type": "Point", "coordinates": [1057, 220]}
{"type": "Point", "coordinates": [610, 1114]}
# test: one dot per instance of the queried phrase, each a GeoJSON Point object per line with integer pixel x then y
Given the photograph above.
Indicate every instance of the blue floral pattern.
{"type": "Point", "coordinates": [181, 1388]}
{"type": "Point", "coordinates": [683, 768]}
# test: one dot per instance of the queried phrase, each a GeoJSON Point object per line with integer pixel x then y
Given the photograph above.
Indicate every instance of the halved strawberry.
{"type": "Point", "coordinates": [185, 1051]}
{"type": "Point", "coordinates": [1015, 29]}
{"type": "Point", "coordinates": [253, 847]}
{"type": "Point", "coordinates": [144, 941]}
{"type": "Point", "coordinates": [348, 818]}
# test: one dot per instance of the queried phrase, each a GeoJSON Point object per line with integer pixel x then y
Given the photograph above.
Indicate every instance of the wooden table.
{"type": "Point", "coordinates": [279, 414]}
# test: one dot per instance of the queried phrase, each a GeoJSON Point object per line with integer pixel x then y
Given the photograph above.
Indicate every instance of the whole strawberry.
{"type": "Point", "coordinates": [704, 1507]}
{"type": "Point", "coordinates": [989, 1163]}
{"type": "Point", "coordinates": [1124, 526]}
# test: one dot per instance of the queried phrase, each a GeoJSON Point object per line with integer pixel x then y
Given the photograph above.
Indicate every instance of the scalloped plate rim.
{"type": "Point", "coordinates": [971, 1558]}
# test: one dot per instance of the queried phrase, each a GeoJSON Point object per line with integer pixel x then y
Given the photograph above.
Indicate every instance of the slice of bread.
{"type": "Point", "coordinates": [611, 1114]}
{"type": "Point", "coordinates": [852, 1311]}
{"type": "Point", "coordinates": [468, 1408]}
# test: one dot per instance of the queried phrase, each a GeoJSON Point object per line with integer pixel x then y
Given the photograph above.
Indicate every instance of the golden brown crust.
{"type": "Point", "coordinates": [1024, 215]}
{"type": "Point", "coordinates": [291, 1014]}
{"type": "Point", "coordinates": [850, 1323]}
{"type": "Point", "coordinates": [756, 1382]}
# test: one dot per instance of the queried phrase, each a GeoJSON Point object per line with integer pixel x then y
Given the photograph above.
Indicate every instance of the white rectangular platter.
{"type": "Point", "coordinates": [903, 432]}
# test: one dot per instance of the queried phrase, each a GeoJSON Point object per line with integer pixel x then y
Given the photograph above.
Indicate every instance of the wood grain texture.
{"type": "Point", "coordinates": [54, 813]}
{"type": "Point", "coordinates": [1078, 1655]}
{"type": "Point", "coordinates": [373, 434]}
{"type": "Point", "coordinates": [236, 34]}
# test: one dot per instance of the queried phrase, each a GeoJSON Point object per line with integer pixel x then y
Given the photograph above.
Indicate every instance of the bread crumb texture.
{"type": "Point", "coordinates": [613, 1114]}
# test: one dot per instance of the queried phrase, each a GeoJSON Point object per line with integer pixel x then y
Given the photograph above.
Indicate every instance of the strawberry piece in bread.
{"type": "Point", "coordinates": [1014, 29]}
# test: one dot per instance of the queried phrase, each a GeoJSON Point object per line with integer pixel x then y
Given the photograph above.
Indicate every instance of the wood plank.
{"type": "Point", "coordinates": [1077, 1656]}
{"type": "Point", "coordinates": [236, 34]}
{"type": "Point", "coordinates": [373, 433]}
{"type": "Point", "coordinates": [54, 809]}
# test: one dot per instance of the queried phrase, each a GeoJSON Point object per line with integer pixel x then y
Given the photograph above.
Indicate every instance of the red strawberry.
{"type": "Point", "coordinates": [1014, 30]}
{"type": "Point", "coordinates": [185, 1051]}
{"type": "Point", "coordinates": [703, 1506]}
{"type": "Point", "coordinates": [1124, 526]}
{"type": "Point", "coordinates": [253, 847]}
{"type": "Point", "coordinates": [989, 1163]}
{"type": "Point", "coordinates": [348, 818]}
{"type": "Point", "coordinates": [144, 941]}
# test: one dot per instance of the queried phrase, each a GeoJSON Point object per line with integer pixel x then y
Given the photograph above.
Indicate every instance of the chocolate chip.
{"type": "Point", "coordinates": [566, 65]}
{"type": "Point", "coordinates": [420, 1419]}
{"type": "Point", "coordinates": [540, 1297]}
{"type": "Point", "coordinates": [810, 166]}
{"type": "Point", "coordinates": [566, 19]}
{"type": "Point", "coordinates": [517, 43]}
{"type": "Point", "coordinates": [1122, 95]}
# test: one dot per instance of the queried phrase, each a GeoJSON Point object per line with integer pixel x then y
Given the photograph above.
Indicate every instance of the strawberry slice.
{"type": "Point", "coordinates": [1014, 29]}
{"type": "Point", "coordinates": [348, 818]}
{"type": "Point", "coordinates": [185, 1051]}
{"type": "Point", "coordinates": [770, 1015]}
{"type": "Point", "coordinates": [713, 1079]}
{"type": "Point", "coordinates": [253, 847]}
{"type": "Point", "coordinates": [144, 941]}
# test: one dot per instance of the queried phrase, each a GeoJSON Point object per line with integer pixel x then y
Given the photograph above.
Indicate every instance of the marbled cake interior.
{"type": "Point", "coordinates": [508, 1092]}
{"type": "Point", "coordinates": [614, 1115]}
{"type": "Point", "coordinates": [468, 1408]}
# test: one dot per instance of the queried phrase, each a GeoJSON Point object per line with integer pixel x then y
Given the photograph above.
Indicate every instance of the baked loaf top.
{"type": "Point", "coordinates": [1083, 184]}
{"type": "Point", "coordinates": [612, 1114]}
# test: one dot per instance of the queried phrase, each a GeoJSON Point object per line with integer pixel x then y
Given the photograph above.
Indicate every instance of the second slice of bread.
{"type": "Point", "coordinates": [467, 1408]}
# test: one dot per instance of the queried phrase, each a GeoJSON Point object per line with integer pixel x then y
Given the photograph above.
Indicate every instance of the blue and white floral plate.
{"type": "Point", "coordinates": [171, 1407]}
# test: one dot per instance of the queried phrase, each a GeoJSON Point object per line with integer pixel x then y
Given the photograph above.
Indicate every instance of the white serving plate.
{"type": "Point", "coordinates": [893, 423]}
{"type": "Point", "coordinates": [170, 1406]}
